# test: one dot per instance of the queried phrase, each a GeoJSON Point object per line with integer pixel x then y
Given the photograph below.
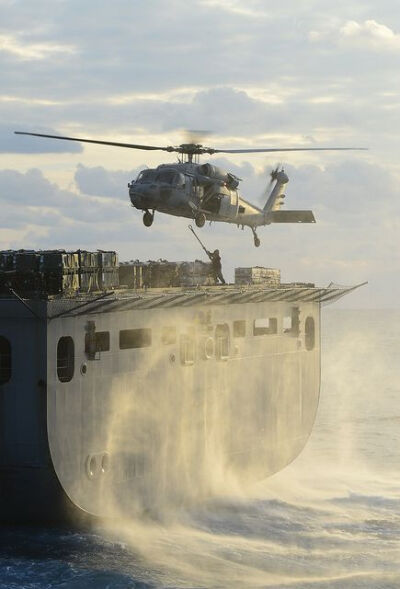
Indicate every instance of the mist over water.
{"type": "Point", "coordinates": [331, 519]}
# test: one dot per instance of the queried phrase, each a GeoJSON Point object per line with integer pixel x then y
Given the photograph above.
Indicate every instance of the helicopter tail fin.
{"type": "Point", "coordinates": [275, 199]}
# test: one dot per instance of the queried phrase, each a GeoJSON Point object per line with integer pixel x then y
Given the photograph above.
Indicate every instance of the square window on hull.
{"type": "Point", "coordinates": [239, 328]}
{"type": "Point", "coordinates": [265, 326]}
{"type": "Point", "coordinates": [134, 338]}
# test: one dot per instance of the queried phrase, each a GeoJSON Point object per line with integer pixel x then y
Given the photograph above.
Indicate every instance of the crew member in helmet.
{"type": "Point", "coordinates": [216, 265]}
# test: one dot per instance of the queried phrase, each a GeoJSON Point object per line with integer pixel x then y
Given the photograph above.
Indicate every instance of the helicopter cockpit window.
{"type": "Point", "coordinates": [180, 180]}
{"type": "Point", "coordinates": [167, 177]}
{"type": "Point", "coordinates": [146, 176]}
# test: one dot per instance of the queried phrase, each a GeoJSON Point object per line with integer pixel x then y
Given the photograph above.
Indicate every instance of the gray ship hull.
{"type": "Point", "coordinates": [133, 401]}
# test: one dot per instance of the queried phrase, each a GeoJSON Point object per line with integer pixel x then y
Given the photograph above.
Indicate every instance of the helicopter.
{"type": "Point", "coordinates": [202, 191]}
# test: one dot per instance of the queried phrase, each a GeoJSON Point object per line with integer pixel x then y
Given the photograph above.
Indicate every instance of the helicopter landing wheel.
{"type": "Point", "coordinates": [148, 219]}
{"type": "Point", "coordinates": [200, 219]}
{"type": "Point", "coordinates": [257, 241]}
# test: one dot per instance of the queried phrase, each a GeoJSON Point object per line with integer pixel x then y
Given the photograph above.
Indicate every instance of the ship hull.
{"type": "Point", "coordinates": [175, 404]}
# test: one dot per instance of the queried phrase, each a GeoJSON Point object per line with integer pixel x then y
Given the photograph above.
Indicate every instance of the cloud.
{"type": "Point", "coordinates": [29, 51]}
{"type": "Point", "coordinates": [236, 7]}
{"type": "Point", "coordinates": [371, 34]}
{"type": "Point", "coordinates": [232, 114]}
{"type": "Point", "coordinates": [101, 182]}
{"type": "Point", "coordinates": [368, 34]}
{"type": "Point", "coordinates": [11, 143]}
{"type": "Point", "coordinates": [30, 189]}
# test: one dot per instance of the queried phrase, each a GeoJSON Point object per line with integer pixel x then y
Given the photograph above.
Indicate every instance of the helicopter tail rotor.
{"type": "Point", "coordinates": [276, 197]}
{"type": "Point", "coordinates": [274, 173]}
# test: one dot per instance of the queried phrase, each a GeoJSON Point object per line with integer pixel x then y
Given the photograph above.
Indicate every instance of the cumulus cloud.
{"type": "Point", "coordinates": [101, 182]}
{"type": "Point", "coordinates": [368, 34]}
{"type": "Point", "coordinates": [30, 189]}
{"type": "Point", "coordinates": [371, 33]}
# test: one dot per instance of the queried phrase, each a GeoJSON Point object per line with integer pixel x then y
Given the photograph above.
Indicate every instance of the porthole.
{"type": "Point", "coordinates": [222, 341]}
{"type": "Point", "coordinates": [97, 464]}
{"type": "Point", "coordinates": [105, 462]}
{"type": "Point", "coordinates": [187, 345]}
{"type": "Point", "coordinates": [309, 330]}
{"type": "Point", "coordinates": [5, 360]}
{"type": "Point", "coordinates": [65, 358]}
{"type": "Point", "coordinates": [206, 347]}
{"type": "Point", "coordinates": [83, 369]}
{"type": "Point", "coordinates": [91, 466]}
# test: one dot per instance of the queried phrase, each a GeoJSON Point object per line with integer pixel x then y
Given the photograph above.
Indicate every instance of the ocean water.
{"type": "Point", "coordinates": [329, 520]}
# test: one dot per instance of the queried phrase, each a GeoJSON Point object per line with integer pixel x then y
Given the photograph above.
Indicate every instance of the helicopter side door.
{"type": "Point", "coordinates": [229, 204]}
{"type": "Point", "coordinates": [193, 190]}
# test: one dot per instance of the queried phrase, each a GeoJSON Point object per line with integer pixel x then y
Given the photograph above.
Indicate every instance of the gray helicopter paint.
{"type": "Point", "coordinates": [199, 193]}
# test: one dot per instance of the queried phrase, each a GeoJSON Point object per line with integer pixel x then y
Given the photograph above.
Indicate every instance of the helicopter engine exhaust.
{"type": "Point", "coordinates": [215, 173]}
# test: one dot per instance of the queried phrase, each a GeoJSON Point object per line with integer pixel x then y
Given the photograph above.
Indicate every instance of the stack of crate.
{"type": "Point", "coordinates": [108, 269]}
{"type": "Point", "coordinates": [132, 274]}
{"type": "Point", "coordinates": [20, 269]}
{"type": "Point", "coordinates": [197, 273]}
{"type": "Point", "coordinates": [6, 260]}
{"type": "Point", "coordinates": [258, 275]}
{"type": "Point", "coordinates": [59, 271]}
{"type": "Point", "coordinates": [162, 274]}
{"type": "Point", "coordinates": [53, 272]}
{"type": "Point", "coordinates": [88, 271]}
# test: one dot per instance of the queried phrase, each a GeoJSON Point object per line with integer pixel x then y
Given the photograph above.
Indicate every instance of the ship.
{"type": "Point", "coordinates": [128, 395]}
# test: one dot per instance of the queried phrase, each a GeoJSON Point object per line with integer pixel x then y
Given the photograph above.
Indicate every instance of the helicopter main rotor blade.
{"type": "Point", "coordinates": [189, 148]}
{"type": "Point", "coordinates": [115, 143]}
{"type": "Point", "coordinates": [277, 149]}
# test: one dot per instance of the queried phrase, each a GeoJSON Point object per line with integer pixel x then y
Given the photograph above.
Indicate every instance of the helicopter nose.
{"type": "Point", "coordinates": [141, 196]}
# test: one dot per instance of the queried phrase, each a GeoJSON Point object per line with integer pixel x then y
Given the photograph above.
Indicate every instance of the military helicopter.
{"type": "Point", "coordinates": [204, 192]}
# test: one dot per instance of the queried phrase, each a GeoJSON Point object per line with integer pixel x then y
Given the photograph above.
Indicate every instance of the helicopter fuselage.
{"type": "Point", "coordinates": [189, 189]}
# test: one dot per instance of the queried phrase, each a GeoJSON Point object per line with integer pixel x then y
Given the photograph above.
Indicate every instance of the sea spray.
{"type": "Point", "coordinates": [331, 519]}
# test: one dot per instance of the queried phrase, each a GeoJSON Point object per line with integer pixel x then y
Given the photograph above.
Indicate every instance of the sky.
{"type": "Point", "coordinates": [252, 73]}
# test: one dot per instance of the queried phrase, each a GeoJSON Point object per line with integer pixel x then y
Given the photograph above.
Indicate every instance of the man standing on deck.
{"type": "Point", "coordinates": [216, 265]}
{"type": "Point", "coordinates": [215, 260]}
